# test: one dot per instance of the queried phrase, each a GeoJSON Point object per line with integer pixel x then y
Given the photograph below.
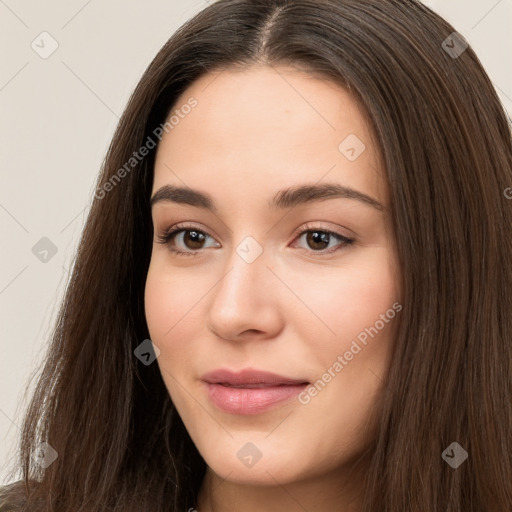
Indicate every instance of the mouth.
{"type": "Point", "coordinates": [250, 391]}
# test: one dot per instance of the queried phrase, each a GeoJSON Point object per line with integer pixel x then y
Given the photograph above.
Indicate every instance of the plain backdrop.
{"type": "Point", "coordinates": [58, 114]}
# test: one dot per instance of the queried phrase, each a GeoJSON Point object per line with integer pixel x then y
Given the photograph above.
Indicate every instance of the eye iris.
{"type": "Point", "coordinates": [194, 237]}
{"type": "Point", "coordinates": [318, 237]}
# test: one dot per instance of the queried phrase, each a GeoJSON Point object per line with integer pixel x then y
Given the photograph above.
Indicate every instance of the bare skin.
{"type": "Point", "coordinates": [297, 308]}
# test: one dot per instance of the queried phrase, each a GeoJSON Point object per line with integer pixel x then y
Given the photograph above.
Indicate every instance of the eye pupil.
{"type": "Point", "coordinates": [195, 237]}
{"type": "Point", "coordinates": [318, 237]}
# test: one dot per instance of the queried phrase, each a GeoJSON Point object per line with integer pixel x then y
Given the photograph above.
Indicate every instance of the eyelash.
{"type": "Point", "coordinates": [169, 234]}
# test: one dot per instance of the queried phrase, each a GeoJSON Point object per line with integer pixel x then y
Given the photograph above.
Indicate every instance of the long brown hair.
{"type": "Point", "coordinates": [446, 144]}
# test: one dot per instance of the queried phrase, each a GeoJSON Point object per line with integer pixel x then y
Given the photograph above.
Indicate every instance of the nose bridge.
{"type": "Point", "coordinates": [246, 268]}
{"type": "Point", "coordinates": [241, 300]}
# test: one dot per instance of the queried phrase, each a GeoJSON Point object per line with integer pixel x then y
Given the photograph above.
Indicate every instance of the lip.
{"type": "Point", "coordinates": [250, 391]}
{"type": "Point", "coordinates": [249, 376]}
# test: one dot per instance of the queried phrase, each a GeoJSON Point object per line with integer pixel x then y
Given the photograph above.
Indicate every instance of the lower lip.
{"type": "Point", "coordinates": [251, 400]}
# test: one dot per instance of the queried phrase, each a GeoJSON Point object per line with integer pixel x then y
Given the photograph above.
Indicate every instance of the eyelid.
{"type": "Point", "coordinates": [318, 226]}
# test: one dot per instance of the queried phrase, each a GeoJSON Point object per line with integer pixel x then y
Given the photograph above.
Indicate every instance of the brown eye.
{"type": "Point", "coordinates": [188, 238]}
{"type": "Point", "coordinates": [192, 239]}
{"type": "Point", "coordinates": [317, 240]}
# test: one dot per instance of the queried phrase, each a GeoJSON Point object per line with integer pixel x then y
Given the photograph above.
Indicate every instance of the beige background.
{"type": "Point", "coordinates": [58, 115]}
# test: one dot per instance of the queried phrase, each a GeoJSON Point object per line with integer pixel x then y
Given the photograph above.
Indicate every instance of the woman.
{"type": "Point", "coordinates": [212, 354]}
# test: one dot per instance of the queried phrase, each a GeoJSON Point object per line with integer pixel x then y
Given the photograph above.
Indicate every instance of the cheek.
{"type": "Point", "coordinates": [345, 301]}
{"type": "Point", "coordinates": [156, 305]}
{"type": "Point", "coordinates": [170, 301]}
{"type": "Point", "coordinates": [173, 308]}
{"type": "Point", "coordinates": [357, 306]}
{"type": "Point", "coordinates": [167, 314]}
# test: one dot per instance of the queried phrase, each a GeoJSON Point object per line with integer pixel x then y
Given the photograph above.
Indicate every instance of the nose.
{"type": "Point", "coordinates": [246, 301]}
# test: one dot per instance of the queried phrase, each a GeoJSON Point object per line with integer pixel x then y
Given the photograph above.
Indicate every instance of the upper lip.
{"type": "Point", "coordinates": [249, 376]}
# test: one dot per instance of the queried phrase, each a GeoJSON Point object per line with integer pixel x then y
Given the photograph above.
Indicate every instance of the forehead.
{"type": "Point", "coordinates": [264, 128]}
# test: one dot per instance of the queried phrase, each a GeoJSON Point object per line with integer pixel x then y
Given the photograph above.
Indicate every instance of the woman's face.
{"type": "Point", "coordinates": [276, 152]}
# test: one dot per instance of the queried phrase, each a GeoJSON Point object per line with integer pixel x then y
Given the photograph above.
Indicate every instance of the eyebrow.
{"type": "Point", "coordinates": [287, 198]}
